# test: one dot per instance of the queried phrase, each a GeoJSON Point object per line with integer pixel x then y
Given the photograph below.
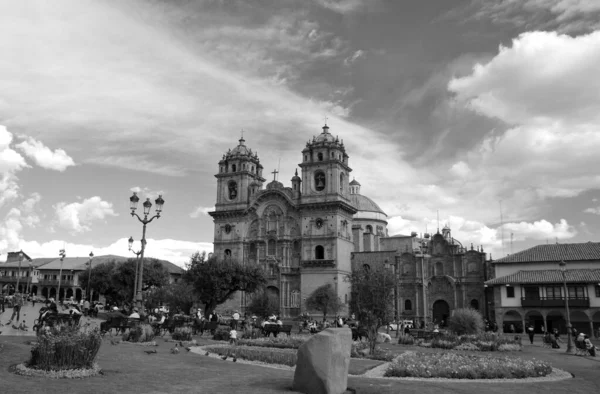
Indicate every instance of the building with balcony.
{"type": "Point", "coordinates": [41, 277]}
{"type": "Point", "coordinates": [529, 288]}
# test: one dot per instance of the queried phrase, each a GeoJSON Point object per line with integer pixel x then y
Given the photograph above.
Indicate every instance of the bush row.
{"type": "Point", "coordinates": [270, 356]}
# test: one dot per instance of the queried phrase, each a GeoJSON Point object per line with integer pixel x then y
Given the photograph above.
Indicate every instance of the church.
{"type": "Point", "coordinates": [319, 229]}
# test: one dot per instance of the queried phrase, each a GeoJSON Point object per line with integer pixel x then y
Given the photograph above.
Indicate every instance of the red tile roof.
{"type": "Point", "coordinates": [555, 252]}
{"type": "Point", "coordinates": [548, 276]}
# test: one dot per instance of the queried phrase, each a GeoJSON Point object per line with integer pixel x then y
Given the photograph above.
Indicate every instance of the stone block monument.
{"type": "Point", "coordinates": [323, 361]}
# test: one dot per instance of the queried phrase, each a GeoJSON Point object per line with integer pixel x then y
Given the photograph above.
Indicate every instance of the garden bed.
{"type": "Point", "coordinates": [461, 366]}
{"type": "Point", "coordinates": [23, 370]}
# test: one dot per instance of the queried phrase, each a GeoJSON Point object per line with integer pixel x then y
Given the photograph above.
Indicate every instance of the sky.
{"type": "Point", "coordinates": [482, 113]}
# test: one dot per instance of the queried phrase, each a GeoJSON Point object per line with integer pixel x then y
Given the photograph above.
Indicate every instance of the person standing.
{"type": "Point", "coordinates": [235, 320]}
{"type": "Point", "coordinates": [17, 304]}
{"type": "Point", "coordinates": [531, 333]}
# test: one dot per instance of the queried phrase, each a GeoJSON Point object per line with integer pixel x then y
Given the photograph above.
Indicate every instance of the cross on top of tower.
{"type": "Point", "coordinates": [242, 140]}
{"type": "Point", "coordinates": [274, 172]}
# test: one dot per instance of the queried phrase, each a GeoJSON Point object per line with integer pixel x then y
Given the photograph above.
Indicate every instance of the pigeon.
{"type": "Point", "coordinates": [206, 354]}
{"type": "Point", "coordinates": [151, 351]}
{"type": "Point", "coordinates": [188, 348]}
{"type": "Point", "coordinates": [224, 357]}
{"type": "Point", "coordinates": [115, 341]}
{"type": "Point", "coordinates": [175, 350]}
{"type": "Point", "coordinates": [234, 359]}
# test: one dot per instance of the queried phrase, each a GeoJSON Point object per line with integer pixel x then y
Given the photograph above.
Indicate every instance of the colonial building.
{"type": "Point", "coordinates": [319, 229]}
{"type": "Point", "coordinates": [41, 277]}
{"type": "Point", "coordinates": [529, 287]}
{"type": "Point", "coordinates": [434, 275]}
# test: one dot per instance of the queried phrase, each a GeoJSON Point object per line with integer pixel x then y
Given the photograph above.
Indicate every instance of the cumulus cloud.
{"type": "Point", "coordinates": [44, 157]}
{"type": "Point", "coordinates": [595, 210]}
{"type": "Point", "coordinates": [146, 191]}
{"type": "Point", "coordinates": [346, 6]}
{"type": "Point", "coordinates": [201, 211]}
{"type": "Point", "coordinates": [355, 56]}
{"type": "Point", "coordinates": [541, 230]}
{"type": "Point", "coordinates": [11, 162]}
{"type": "Point", "coordinates": [78, 216]}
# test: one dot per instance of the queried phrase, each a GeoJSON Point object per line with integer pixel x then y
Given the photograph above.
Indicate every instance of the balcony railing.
{"type": "Point", "coordinates": [318, 263]}
{"type": "Point", "coordinates": [551, 302]}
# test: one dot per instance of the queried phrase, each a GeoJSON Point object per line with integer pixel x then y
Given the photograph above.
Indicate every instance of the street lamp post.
{"type": "Point", "coordinates": [62, 255]}
{"type": "Point", "coordinates": [137, 264]}
{"type": "Point", "coordinates": [423, 254]}
{"type": "Point", "coordinates": [563, 269]}
{"type": "Point", "coordinates": [28, 289]}
{"type": "Point", "coordinates": [386, 267]}
{"type": "Point", "coordinates": [147, 205]}
{"type": "Point", "coordinates": [19, 273]}
{"type": "Point", "coordinates": [87, 292]}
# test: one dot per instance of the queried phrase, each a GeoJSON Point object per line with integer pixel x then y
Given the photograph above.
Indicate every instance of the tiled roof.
{"type": "Point", "coordinates": [25, 264]}
{"type": "Point", "coordinates": [548, 276]}
{"type": "Point", "coordinates": [555, 252]}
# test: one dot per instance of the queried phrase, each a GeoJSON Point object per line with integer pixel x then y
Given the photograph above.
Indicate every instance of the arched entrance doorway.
{"type": "Point", "coordinates": [556, 320]}
{"type": "Point", "coordinates": [581, 322]}
{"type": "Point", "coordinates": [273, 294]}
{"type": "Point", "coordinates": [53, 292]}
{"type": "Point", "coordinates": [69, 293]}
{"type": "Point", "coordinates": [78, 296]}
{"type": "Point", "coordinates": [441, 312]}
{"type": "Point", "coordinates": [34, 290]}
{"type": "Point", "coordinates": [512, 321]}
{"type": "Point", "coordinates": [596, 323]}
{"type": "Point", "coordinates": [536, 320]}
{"type": "Point", "coordinates": [45, 292]}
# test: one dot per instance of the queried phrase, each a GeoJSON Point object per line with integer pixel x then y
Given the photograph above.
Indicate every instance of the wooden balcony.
{"type": "Point", "coordinates": [547, 302]}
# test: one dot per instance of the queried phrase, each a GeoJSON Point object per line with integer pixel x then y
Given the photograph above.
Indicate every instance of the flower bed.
{"type": "Point", "coordinates": [182, 334]}
{"type": "Point", "coordinates": [291, 342]}
{"type": "Point", "coordinates": [23, 370]}
{"type": "Point", "coordinates": [481, 342]}
{"type": "Point", "coordinates": [268, 356]}
{"type": "Point", "coordinates": [460, 366]}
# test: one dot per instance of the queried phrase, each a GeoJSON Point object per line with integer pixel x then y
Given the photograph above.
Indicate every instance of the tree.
{"type": "Point", "coordinates": [177, 296]}
{"type": "Point", "coordinates": [324, 299]}
{"type": "Point", "coordinates": [263, 303]}
{"type": "Point", "coordinates": [215, 281]}
{"type": "Point", "coordinates": [115, 279]}
{"type": "Point", "coordinates": [372, 299]}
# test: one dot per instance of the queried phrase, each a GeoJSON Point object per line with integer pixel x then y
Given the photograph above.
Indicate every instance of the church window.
{"type": "Point", "coordinates": [472, 267]}
{"type": "Point", "coordinates": [227, 253]}
{"type": "Point", "coordinates": [332, 155]}
{"type": "Point", "coordinates": [342, 186]}
{"type": "Point", "coordinates": [366, 267]}
{"type": "Point", "coordinates": [320, 156]}
{"type": "Point", "coordinates": [233, 168]}
{"type": "Point", "coordinates": [271, 247]}
{"type": "Point", "coordinates": [439, 269]}
{"type": "Point", "coordinates": [406, 269]}
{"type": "Point", "coordinates": [369, 229]}
{"type": "Point", "coordinates": [345, 298]}
{"type": "Point", "coordinates": [408, 305]}
{"type": "Point", "coordinates": [319, 181]}
{"type": "Point", "coordinates": [295, 299]}
{"type": "Point", "coordinates": [227, 228]}
{"type": "Point", "coordinates": [475, 304]}
{"type": "Point", "coordinates": [232, 186]}
{"type": "Point", "coordinates": [305, 157]}
{"type": "Point", "coordinates": [319, 252]}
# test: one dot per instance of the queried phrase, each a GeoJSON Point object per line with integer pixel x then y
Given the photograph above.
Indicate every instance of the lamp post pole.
{"type": "Point", "coordinates": [29, 278]}
{"type": "Point", "coordinates": [19, 273]}
{"type": "Point", "coordinates": [137, 264]}
{"type": "Point", "coordinates": [147, 205]}
{"type": "Point", "coordinates": [62, 255]}
{"type": "Point", "coordinates": [386, 266]}
{"type": "Point", "coordinates": [423, 253]}
{"type": "Point", "coordinates": [563, 268]}
{"type": "Point", "coordinates": [87, 292]}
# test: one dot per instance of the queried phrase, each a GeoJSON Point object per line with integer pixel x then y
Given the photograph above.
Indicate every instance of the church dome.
{"type": "Point", "coordinates": [241, 149]}
{"type": "Point", "coordinates": [325, 136]}
{"type": "Point", "coordinates": [274, 185]}
{"type": "Point", "coordinates": [365, 204]}
{"type": "Point", "coordinates": [354, 183]}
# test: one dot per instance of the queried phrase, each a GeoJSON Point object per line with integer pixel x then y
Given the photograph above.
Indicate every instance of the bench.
{"type": "Point", "coordinates": [210, 326]}
{"type": "Point", "coordinates": [276, 329]}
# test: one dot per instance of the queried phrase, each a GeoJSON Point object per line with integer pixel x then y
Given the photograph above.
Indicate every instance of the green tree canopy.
{"type": "Point", "coordinates": [177, 296]}
{"type": "Point", "coordinates": [215, 281]}
{"type": "Point", "coordinates": [115, 279]}
{"type": "Point", "coordinates": [263, 303]}
{"type": "Point", "coordinates": [372, 299]}
{"type": "Point", "coordinates": [324, 299]}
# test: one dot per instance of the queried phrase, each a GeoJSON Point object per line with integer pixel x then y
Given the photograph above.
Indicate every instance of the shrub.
{"type": "Point", "coordinates": [221, 334]}
{"type": "Point", "coordinates": [182, 334]}
{"type": "Point", "coordinates": [358, 347]}
{"type": "Point", "coordinates": [467, 346]}
{"type": "Point", "coordinates": [443, 344]}
{"type": "Point", "coordinates": [459, 366]}
{"type": "Point", "coordinates": [140, 333]}
{"type": "Point", "coordinates": [285, 342]}
{"type": "Point", "coordinates": [269, 356]}
{"type": "Point", "coordinates": [406, 339]}
{"type": "Point", "coordinates": [64, 348]}
{"type": "Point", "coordinates": [508, 347]}
{"type": "Point", "coordinates": [466, 321]}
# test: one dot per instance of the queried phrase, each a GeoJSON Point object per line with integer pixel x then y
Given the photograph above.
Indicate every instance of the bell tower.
{"type": "Point", "coordinates": [239, 177]}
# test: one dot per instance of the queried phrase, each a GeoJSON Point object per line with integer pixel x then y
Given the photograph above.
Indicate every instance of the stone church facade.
{"type": "Point", "coordinates": [317, 230]}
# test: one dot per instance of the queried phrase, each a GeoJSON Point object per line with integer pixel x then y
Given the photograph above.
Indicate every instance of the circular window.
{"type": "Point", "coordinates": [227, 228]}
{"type": "Point", "coordinates": [319, 181]}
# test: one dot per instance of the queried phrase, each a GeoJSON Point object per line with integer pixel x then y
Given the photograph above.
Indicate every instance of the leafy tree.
{"type": "Point", "coordinates": [372, 299]}
{"type": "Point", "coordinates": [177, 296]}
{"type": "Point", "coordinates": [325, 300]}
{"type": "Point", "coordinates": [215, 281]}
{"type": "Point", "coordinates": [263, 303]}
{"type": "Point", "coordinates": [115, 279]}
{"type": "Point", "coordinates": [466, 321]}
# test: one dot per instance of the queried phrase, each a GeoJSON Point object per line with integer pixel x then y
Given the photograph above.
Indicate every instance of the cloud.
{"type": "Point", "coordinates": [175, 251]}
{"type": "Point", "coordinates": [569, 16]}
{"type": "Point", "coordinates": [595, 211]}
{"type": "Point", "coordinates": [44, 156]}
{"type": "Point", "coordinates": [77, 217]}
{"type": "Point", "coordinates": [147, 192]}
{"type": "Point", "coordinates": [541, 230]}
{"type": "Point", "coordinates": [201, 211]}
{"type": "Point", "coordinates": [11, 162]}
{"type": "Point", "coordinates": [355, 56]}
{"type": "Point", "coordinates": [346, 6]}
